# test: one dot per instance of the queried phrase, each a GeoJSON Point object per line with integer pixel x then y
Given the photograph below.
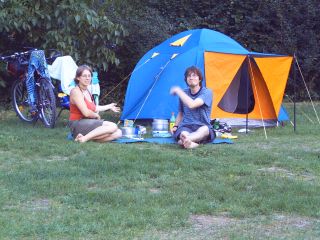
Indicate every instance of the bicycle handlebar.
{"type": "Point", "coordinates": [16, 55]}
{"type": "Point", "coordinates": [19, 55]}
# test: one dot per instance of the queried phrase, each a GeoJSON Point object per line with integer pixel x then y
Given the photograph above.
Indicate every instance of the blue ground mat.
{"type": "Point", "coordinates": [165, 140]}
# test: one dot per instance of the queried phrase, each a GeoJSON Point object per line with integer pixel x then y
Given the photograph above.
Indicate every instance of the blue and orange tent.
{"type": "Point", "coordinates": [245, 84]}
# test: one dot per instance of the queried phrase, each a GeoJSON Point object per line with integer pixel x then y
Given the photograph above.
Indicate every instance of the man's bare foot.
{"type": "Point", "coordinates": [189, 144]}
{"type": "Point", "coordinates": [183, 137]}
{"type": "Point", "coordinates": [79, 138]}
{"type": "Point", "coordinates": [193, 145]}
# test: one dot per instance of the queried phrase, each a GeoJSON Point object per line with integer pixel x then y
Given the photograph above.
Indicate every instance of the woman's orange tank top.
{"type": "Point", "coordinates": [75, 113]}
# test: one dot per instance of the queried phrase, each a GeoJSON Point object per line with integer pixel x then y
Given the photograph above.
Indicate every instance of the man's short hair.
{"type": "Point", "coordinates": [195, 70]}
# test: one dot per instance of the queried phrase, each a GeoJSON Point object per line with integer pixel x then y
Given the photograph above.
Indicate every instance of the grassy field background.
{"type": "Point", "coordinates": [256, 188]}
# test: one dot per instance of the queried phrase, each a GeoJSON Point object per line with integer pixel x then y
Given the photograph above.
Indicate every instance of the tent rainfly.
{"type": "Point", "coordinates": [245, 85]}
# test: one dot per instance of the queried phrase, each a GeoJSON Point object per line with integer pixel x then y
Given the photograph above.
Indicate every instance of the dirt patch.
{"type": "Point", "coordinates": [38, 204]}
{"type": "Point", "coordinates": [92, 187]}
{"type": "Point", "coordinates": [34, 205]}
{"type": "Point", "coordinates": [57, 158]}
{"type": "Point", "coordinates": [277, 170]}
{"type": "Point", "coordinates": [205, 221]}
{"type": "Point", "coordinates": [225, 227]}
{"type": "Point", "coordinates": [154, 190]}
{"type": "Point", "coordinates": [286, 173]}
{"type": "Point", "coordinates": [298, 222]}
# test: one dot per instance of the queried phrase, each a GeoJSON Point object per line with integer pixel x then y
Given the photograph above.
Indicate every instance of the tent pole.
{"type": "Point", "coordinates": [247, 104]}
{"type": "Point", "coordinates": [150, 90]}
{"type": "Point", "coordinates": [294, 94]}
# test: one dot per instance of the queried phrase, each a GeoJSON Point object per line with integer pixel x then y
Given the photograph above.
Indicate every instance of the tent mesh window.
{"type": "Point", "coordinates": [239, 97]}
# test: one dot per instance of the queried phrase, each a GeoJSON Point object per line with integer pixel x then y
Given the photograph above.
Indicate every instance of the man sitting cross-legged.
{"type": "Point", "coordinates": [192, 124]}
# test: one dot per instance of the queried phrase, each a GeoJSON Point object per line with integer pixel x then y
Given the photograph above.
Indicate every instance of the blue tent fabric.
{"type": "Point", "coordinates": [147, 95]}
{"type": "Point", "coordinates": [283, 114]}
{"type": "Point", "coordinates": [148, 75]}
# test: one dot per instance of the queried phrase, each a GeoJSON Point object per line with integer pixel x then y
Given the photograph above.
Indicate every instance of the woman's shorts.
{"type": "Point", "coordinates": [84, 126]}
{"type": "Point", "coordinates": [193, 128]}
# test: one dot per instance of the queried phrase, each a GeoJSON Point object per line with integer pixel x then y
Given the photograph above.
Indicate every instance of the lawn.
{"type": "Point", "coordinates": [256, 188]}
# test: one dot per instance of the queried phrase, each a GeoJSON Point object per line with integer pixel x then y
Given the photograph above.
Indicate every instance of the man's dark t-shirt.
{"type": "Point", "coordinates": [200, 115]}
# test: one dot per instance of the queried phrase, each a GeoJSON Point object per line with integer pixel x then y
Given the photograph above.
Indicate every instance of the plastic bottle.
{"type": "Point", "coordinates": [216, 123]}
{"type": "Point", "coordinates": [95, 87]}
{"type": "Point", "coordinates": [172, 121]}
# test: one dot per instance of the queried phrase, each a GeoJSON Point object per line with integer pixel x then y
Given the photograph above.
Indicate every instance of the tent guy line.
{"type": "Point", "coordinates": [150, 90]}
{"type": "Point", "coordinates": [255, 88]}
{"type": "Point", "coordinates": [305, 84]}
{"type": "Point", "coordinates": [126, 77]}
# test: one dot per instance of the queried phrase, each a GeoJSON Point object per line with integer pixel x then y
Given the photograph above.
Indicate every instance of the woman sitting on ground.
{"type": "Point", "coordinates": [84, 121]}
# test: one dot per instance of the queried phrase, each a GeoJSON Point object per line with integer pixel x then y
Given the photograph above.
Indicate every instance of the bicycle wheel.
{"type": "Point", "coordinates": [20, 103]}
{"type": "Point", "coordinates": [47, 103]}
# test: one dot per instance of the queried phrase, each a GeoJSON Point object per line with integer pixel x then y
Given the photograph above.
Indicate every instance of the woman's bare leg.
{"type": "Point", "coordinates": [107, 128]}
{"type": "Point", "coordinates": [110, 137]}
{"type": "Point", "coordinates": [78, 137]}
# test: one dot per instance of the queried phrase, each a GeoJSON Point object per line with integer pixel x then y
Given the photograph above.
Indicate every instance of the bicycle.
{"type": "Point", "coordinates": [17, 67]}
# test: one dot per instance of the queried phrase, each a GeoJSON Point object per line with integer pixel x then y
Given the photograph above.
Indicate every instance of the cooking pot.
{"type": "Point", "coordinates": [128, 132]}
{"type": "Point", "coordinates": [160, 125]}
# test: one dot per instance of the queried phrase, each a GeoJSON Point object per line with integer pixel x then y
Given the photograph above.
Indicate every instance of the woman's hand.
{"type": "Point", "coordinates": [113, 107]}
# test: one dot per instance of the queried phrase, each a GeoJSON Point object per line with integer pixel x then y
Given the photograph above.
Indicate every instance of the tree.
{"type": "Point", "coordinates": [272, 26]}
{"type": "Point", "coordinates": [75, 27]}
{"type": "Point", "coordinates": [105, 33]}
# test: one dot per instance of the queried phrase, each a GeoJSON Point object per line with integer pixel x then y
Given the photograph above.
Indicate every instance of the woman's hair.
{"type": "Point", "coordinates": [80, 70]}
{"type": "Point", "coordinates": [195, 70]}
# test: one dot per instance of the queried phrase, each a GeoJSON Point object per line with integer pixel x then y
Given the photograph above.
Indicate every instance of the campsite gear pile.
{"type": "Point", "coordinates": [140, 130]}
{"type": "Point", "coordinates": [130, 131]}
{"type": "Point", "coordinates": [222, 129]}
{"type": "Point", "coordinates": [160, 125]}
{"type": "Point", "coordinates": [160, 128]}
{"type": "Point", "coordinates": [246, 85]}
{"type": "Point", "coordinates": [133, 132]}
{"type": "Point", "coordinates": [128, 123]}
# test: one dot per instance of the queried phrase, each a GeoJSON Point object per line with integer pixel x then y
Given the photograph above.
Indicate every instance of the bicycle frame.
{"type": "Point", "coordinates": [17, 67]}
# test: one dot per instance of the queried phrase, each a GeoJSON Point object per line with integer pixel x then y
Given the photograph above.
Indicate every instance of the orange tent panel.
{"type": "Point", "coordinates": [220, 70]}
{"type": "Point", "coordinates": [263, 108]}
{"type": "Point", "coordinates": [268, 76]}
{"type": "Point", "coordinates": [275, 71]}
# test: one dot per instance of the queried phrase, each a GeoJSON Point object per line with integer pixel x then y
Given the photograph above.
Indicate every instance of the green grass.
{"type": "Point", "coordinates": [256, 188]}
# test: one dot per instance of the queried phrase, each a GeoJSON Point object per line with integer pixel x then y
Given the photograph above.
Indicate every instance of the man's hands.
{"type": "Point", "coordinates": [188, 101]}
{"type": "Point", "coordinates": [173, 130]}
{"type": "Point", "coordinates": [175, 90]}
